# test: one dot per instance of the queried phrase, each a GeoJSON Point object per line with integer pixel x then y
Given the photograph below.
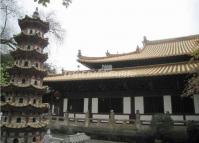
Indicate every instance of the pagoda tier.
{"type": "Point", "coordinates": [8, 106]}
{"type": "Point", "coordinates": [35, 125]}
{"type": "Point", "coordinates": [32, 54]}
{"type": "Point", "coordinates": [25, 38]}
{"type": "Point", "coordinates": [29, 22]}
{"type": "Point", "coordinates": [24, 87]}
{"type": "Point", "coordinates": [16, 69]}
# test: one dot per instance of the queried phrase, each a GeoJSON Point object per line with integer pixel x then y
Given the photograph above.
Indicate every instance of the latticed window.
{"type": "Point", "coordinates": [36, 65]}
{"type": "Point", "coordinates": [34, 139]}
{"type": "Point", "coordinates": [26, 63]}
{"type": "Point", "coordinates": [33, 119]}
{"type": "Point", "coordinates": [35, 82]}
{"type": "Point", "coordinates": [5, 119]}
{"type": "Point", "coordinates": [31, 31]}
{"type": "Point", "coordinates": [20, 100]}
{"type": "Point", "coordinates": [23, 81]}
{"type": "Point", "coordinates": [28, 47]}
{"type": "Point", "coordinates": [18, 120]}
{"type": "Point", "coordinates": [34, 101]}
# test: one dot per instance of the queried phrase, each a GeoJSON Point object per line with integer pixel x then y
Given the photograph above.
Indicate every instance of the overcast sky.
{"type": "Point", "coordinates": [95, 26]}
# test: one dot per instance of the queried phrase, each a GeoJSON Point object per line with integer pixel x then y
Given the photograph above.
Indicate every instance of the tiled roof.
{"type": "Point", "coordinates": [15, 104]}
{"type": "Point", "coordinates": [142, 71]}
{"type": "Point", "coordinates": [25, 125]}
{"type": "Point", "coordinates": [35, 21]}
{"type": "Point", "coordinates": [29, 69]}
{"type": "Point", "coordinates": [29, 53]}
{"type": "Point", "coordinates": [18, 87]}
{"type": "Point", "coordinates": [152, 49]}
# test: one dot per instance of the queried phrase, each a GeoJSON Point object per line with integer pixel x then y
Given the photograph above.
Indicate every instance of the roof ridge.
{"type": "Point", "coordinates": [172, 39]}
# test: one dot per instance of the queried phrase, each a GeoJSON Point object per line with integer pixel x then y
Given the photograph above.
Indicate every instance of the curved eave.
{"type": "Point", "coordinates": [29, 53]}
{"type": "Point", "coordinates": [136, 72]}
{"type": "Point", "coordinates": [28, 87]}
{"type": "Point", "coordinates": [22, 37]}
{"type": "Point", "coordinates": [21, 106]}
{"type": "Point", "coordinates": [104, 60]}
{"type": "Point", "coordinates": [24, 125]}
{"type": "Point", "coordinates": [35, 22]}
{"type": "Point", "coordinates": [26, 70]}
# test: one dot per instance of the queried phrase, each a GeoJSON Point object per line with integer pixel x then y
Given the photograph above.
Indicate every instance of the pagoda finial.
{"type": "Point", "coordinates": [79, 53]}
{"type": "Point", "coordinates": [36, 13]}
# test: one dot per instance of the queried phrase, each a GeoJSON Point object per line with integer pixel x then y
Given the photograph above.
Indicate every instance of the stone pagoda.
{"type": "Point", "coordinates": [22, 120]}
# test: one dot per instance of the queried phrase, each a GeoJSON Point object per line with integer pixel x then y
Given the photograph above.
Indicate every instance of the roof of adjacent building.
{"type": "Point", "coordinates": [133, 72]}
{"type": "Point", "coordinates": [151, 49]}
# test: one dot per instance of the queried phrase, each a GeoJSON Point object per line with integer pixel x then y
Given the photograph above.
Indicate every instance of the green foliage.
{"type": "Point", "coordinates": [192, 132]}
{"type": "Point", "coordinates": [6, 60]}
{"type": "Point", "coordinates": [162, 125]}
{"type": "Point", "coordinates": [192, 86]}
{"type": "Point", "coordinates": [4, 77]}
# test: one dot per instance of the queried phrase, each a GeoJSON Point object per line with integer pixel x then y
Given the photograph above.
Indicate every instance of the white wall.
{"type": "Point", "coordinates": [85, 105]}
{"type": "Point", "coordinates": [65, 104]}
{"type": "Point", "coordinates": [139, 104]}
{"type": "Point", "coordinates": [196, 103]}
{"type": "Point", "coordinates": [94, 105]}
{"type": "Point", "coordinates": [167, 104]}
{"type": "Point", "coordinates": [127, 105]}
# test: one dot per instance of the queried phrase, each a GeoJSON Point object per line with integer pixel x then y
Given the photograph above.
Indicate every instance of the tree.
{"type": "Point", "coordinates": [6, 60]}
{"type": "Point", "coordinates": [9, 10]}
{"type": "Point", "coordinates": [56, 32]}
{"type": "Point", "coordinates": [65, 3]}
{"type": "Point", "coordinates": [162, 125]}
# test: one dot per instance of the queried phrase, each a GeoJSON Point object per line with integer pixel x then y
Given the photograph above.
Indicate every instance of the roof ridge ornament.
{"type": "Point", "coordinates": [107, 53]}
{"type": "Point", "coordinates": [138, 49]}
{"type": "Point", "coordinates": [144, 40]}
{"type": "Point", "coordinates": [79, 53]}
{"type": "Point", "coordinates": [36, 13]}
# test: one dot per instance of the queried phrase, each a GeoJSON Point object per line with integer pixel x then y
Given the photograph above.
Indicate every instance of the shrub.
{"type": "Point", "coordinates": [162, 125]}
{"type": "Point", "coordinates": [192, 132]}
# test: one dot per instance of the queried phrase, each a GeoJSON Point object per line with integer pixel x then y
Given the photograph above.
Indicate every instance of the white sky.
{"type": "Point", "coordinates": [95, 26]}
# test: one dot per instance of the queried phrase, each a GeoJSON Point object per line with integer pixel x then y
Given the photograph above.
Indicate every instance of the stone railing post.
{"type": "Point", "coordinates": [87, 119]}
{"type": "Point", "coordinates": [112, 118]}
{"type": "Point", "coordinates": [49, 116]}
{"type": "Point", "coordinates": [137, 119]}
{"type": "Point", "coordinates": [66, 118]}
